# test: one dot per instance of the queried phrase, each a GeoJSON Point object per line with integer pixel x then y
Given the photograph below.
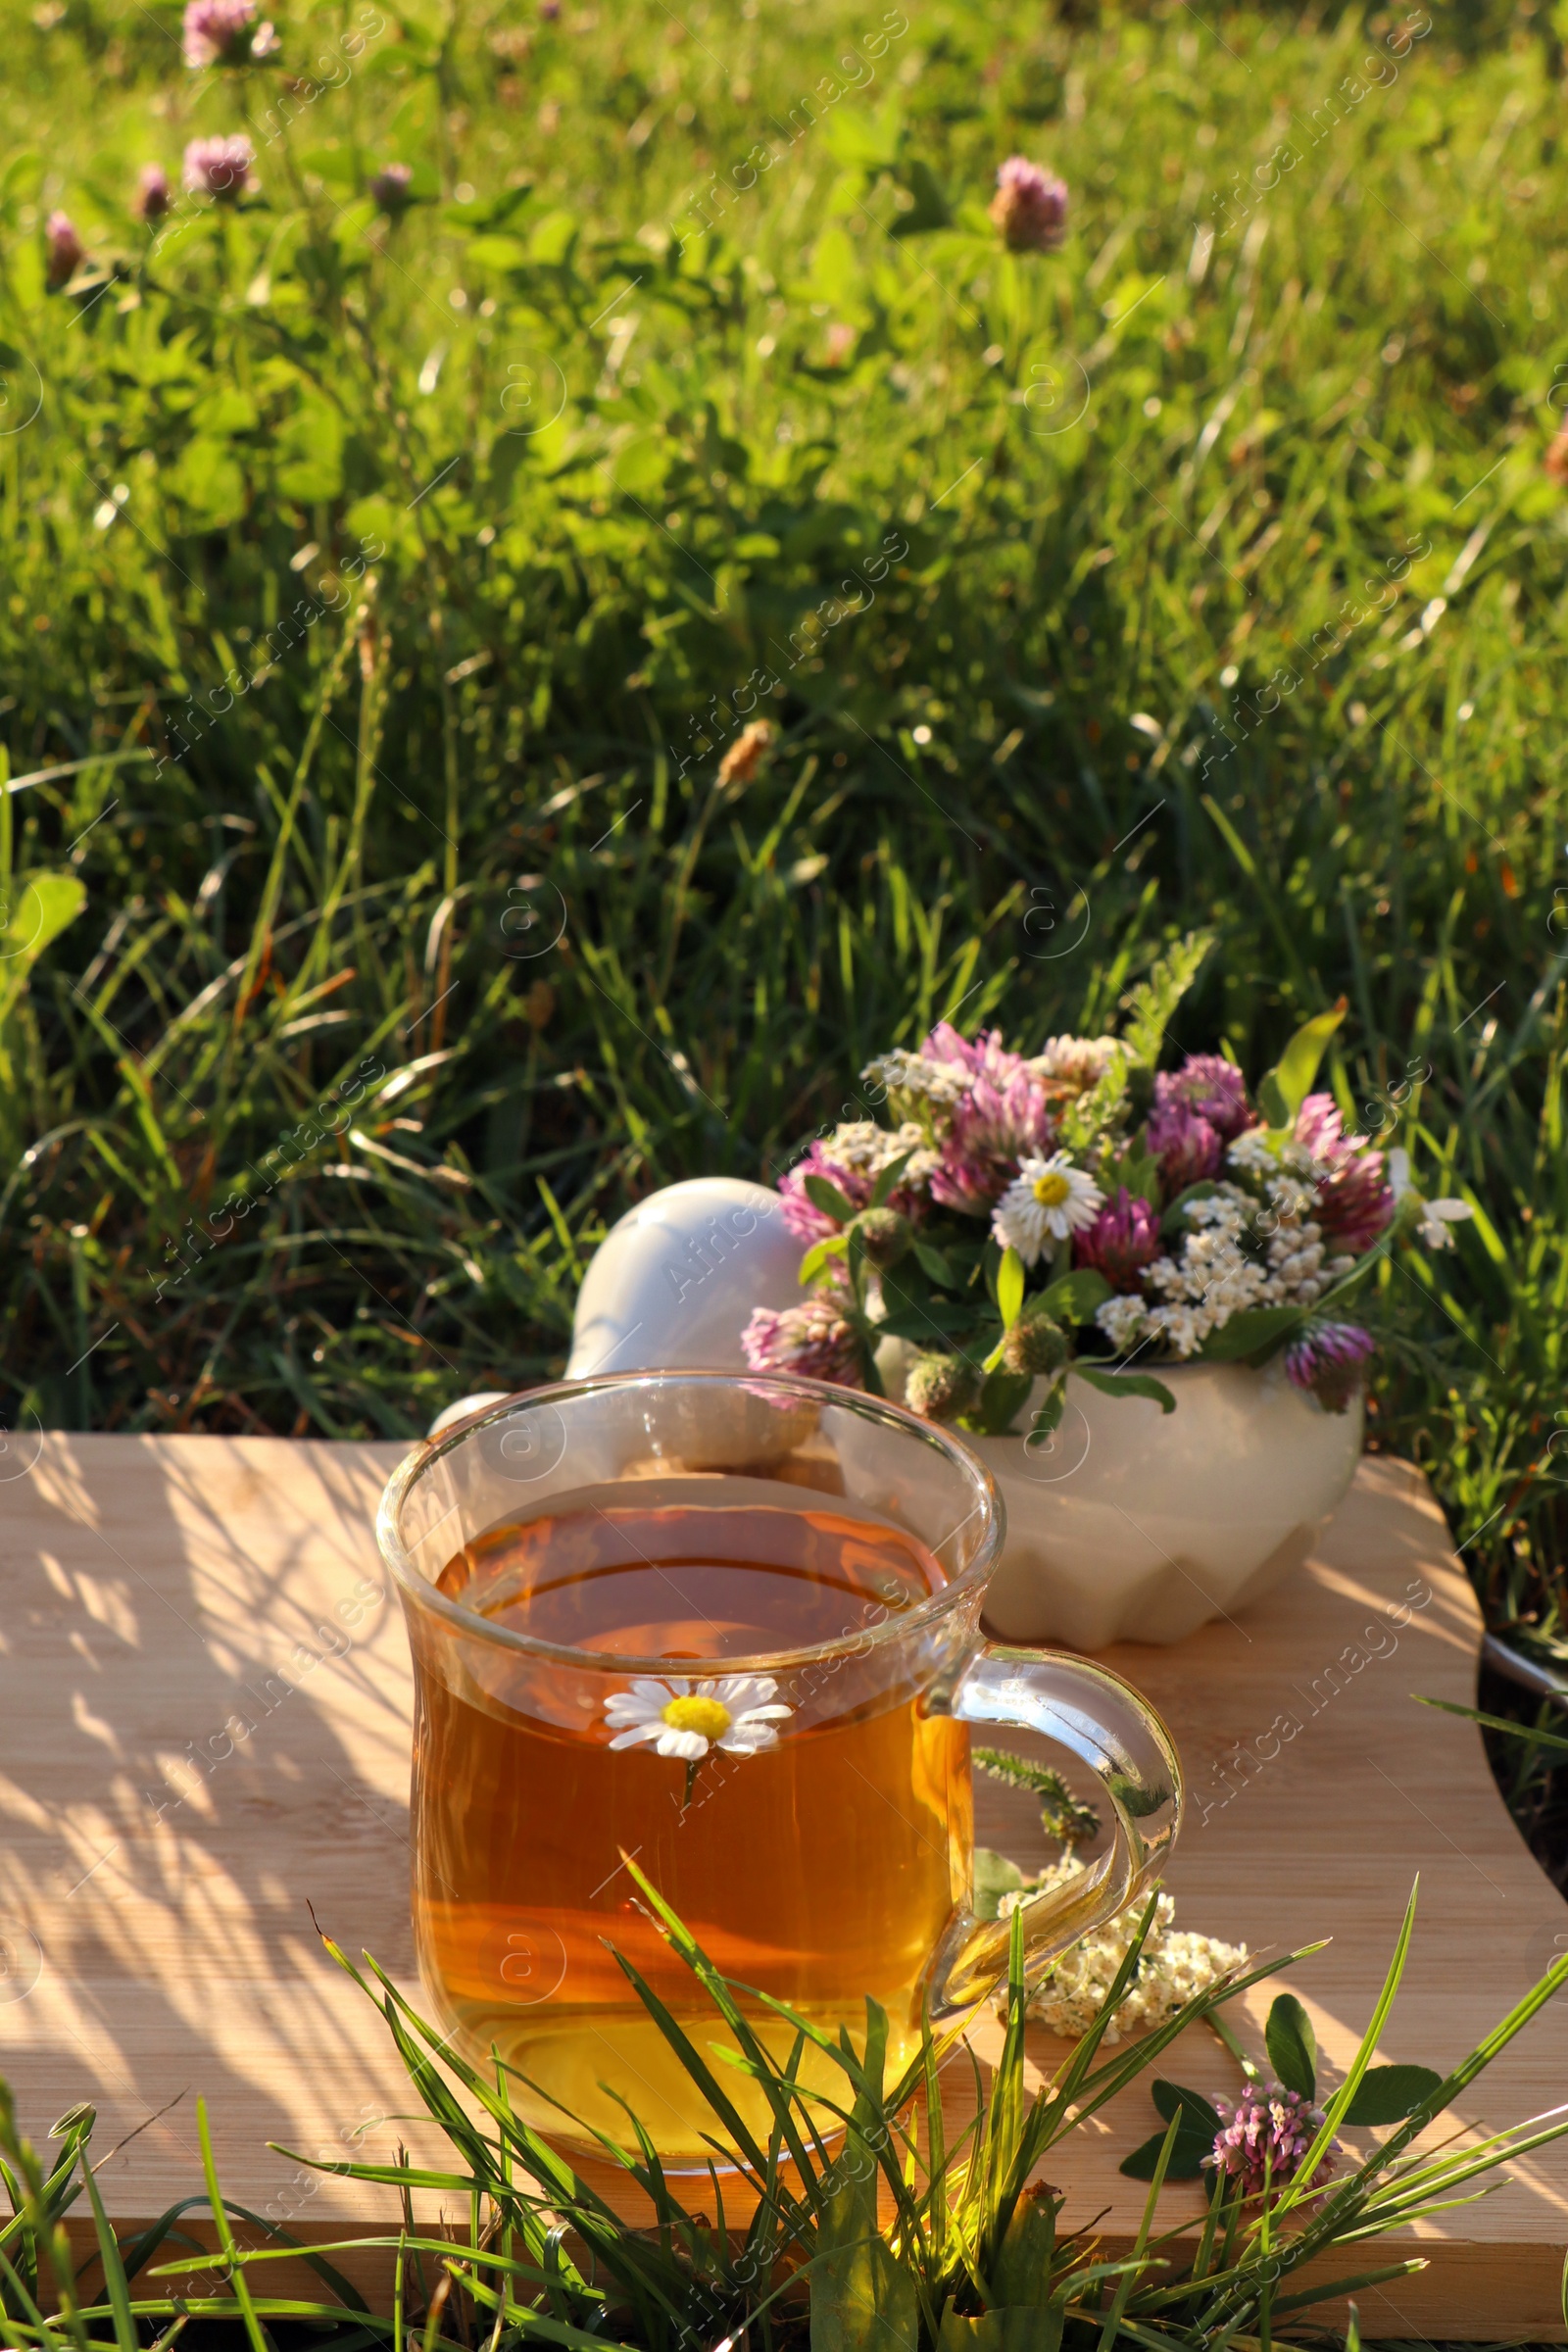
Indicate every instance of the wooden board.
{"type": "Point", "coordinates": [204, 1729]}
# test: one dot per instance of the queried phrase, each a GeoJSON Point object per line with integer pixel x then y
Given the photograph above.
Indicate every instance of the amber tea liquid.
{"type": "Point", "coordinates": [819, 1868]}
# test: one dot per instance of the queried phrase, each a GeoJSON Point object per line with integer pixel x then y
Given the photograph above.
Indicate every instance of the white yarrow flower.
{"type": "Point", "coordinates": [686, 1719]}
{"type": "Point", "coordinates": [1048, 1198]}
{"type": "Point", "coordinates": [1175, 1966]}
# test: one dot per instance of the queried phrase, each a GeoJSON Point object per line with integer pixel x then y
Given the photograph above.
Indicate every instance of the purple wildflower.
{"type": "Point", "coordinates": [223, 32]}
{"type": "Point", "coordinates": [390, 188]}
{"type": "Point", "coordinates": [1187, 1148]}
{"type": "Point", "coordinates": [153, 194]}
{"type": "Point", "coordinates": [1003, 1117]}
{"type": "Point", "coordinates": [805, 1219]}
{"type": "Point", "coordinates": [1262, 2140]}
{"type": "Point", "coordinates": [1213, 1088]}
{"type": "Point", "coordinates": [65, 249]}
{"type": "Point", "coordinates": [550, 10]}
{"type": "Point", "coordinates": [1320, 1126]}
{"type": "Point", "coordinates": [1029, 207]}
{"type": "Point", "coordinates": [813, 1340]}
{"type": "Point", "coordinates": [1330, 1359]}
{"type": "Point", "coordinates": [1355, 1202]}
{"type": "Point", "coordinates": [1122, 1239]}
{"type": "Point", "coordinates": [220, 166]}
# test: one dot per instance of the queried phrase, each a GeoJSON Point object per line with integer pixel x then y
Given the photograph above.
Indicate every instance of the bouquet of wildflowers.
{"type": "Point", "coordinates": [1082, 1207]}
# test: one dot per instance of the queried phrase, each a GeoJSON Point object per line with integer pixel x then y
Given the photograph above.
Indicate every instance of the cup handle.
{"type": "Point", "coordinates": [1104, 1721]}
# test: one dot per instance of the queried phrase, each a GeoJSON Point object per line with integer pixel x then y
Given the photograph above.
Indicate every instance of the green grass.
{"type": "Point", "coordinates": [467, 828]}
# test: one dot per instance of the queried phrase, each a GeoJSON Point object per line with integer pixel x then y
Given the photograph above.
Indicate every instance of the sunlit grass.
{"type": "Point", "coordinates": [1205, 572]}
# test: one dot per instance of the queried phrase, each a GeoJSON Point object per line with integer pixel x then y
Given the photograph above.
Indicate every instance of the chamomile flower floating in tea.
{"type": "Point", "coordinates": [686, 1720]}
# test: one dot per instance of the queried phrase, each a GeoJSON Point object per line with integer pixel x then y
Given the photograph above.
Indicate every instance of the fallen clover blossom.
{"type": "Point", "coordinates": [219, 167]}
{"type": "Point", "coordinates": [1264, 2138]}
{"type": "Point", "coordinates": [1029, 207]}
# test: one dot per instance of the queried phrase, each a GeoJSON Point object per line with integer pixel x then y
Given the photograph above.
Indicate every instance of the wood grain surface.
{"type": "Point", "coordinates": [204, 1733]}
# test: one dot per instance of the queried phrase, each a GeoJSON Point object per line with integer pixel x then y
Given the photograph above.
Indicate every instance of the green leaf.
{"type": "Point", "coordinates": [503, 254]}
{"type": "Point", "coordinates": [1186, 2156]}
{"type": "Point", "coordinates": [1174, 1219]}
{"type": "Point", "coordinates": [1151, 1004]}
{"type": "Point", "coordinates": [115, 2281]}
{"type": "Point", "coordinates": [925, 1321]}
{"type": "Point", "coordinates": [553, 238]}
{"type": "Point", "coordinates": [1010, 1288]}
{"type": "Point", "coordinates": [1064, 1816]}
{"type": "Point", "coordinates": [209, 480]}
{"type": "Point", "coordinates": [936, 1267]}
{"type": "Point", "coordinates": [1008, 2327]}
{"type": "Point", "coordinates": [1002, 1395]}
{"type": "Point", "coordinates": [1253, 1331]}
{"type": "Point", "coordinates": [47, 903]}
{"type": "Point", "coordinates": [1138, 1174]}
{"type": "Point", "coordinates": [884, 1185]}
{"type": "Point", "coordinates": [1498, 1722]}
{"type": "Point", "coordinates": [832, 1245]}
{"type": "Point", "coordinates": [994, 1877]}
{"type": "Point", "coordinates": [829, 1199]}
{"type": "Point", "coordinates": [1195, 2132]}
{"type": "Point", "coordinates": [1292, 1076]}
{"type": "Point", "coordinates": [930, 208]}
{"type": "Point", "coordinates": [1021, 2275]}
{"type": "Point", "coordinates": [1292, 2045]}
{"type": "Point", "coordinates": [311, 450]}
{"type": "Point", "coordinates": [489, 211]}
{"type": "Point", "coordinates": [225, 409]}
{"type": "Point", "coordinates": [1048, 1419]}
{"type": "Point", "coordinates": [1073, 1297]}
{"type": "Point", "coordinates": [1387, 2094]}
{"type": "Point", "coordinates": [1272, 1104]}
{"type": "Point", "coordinates": [1127, 1384]}
{"type": "Point", "coordinates": [862, 2297]}
{"type": "Point", "coordinates": [1172, 2098]}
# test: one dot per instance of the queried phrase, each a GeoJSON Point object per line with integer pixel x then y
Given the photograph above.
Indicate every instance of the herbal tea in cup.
{"type": "Point", "coordinates": [725, 1627]}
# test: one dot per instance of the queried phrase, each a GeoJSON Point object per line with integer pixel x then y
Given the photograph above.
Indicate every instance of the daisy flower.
{"type": "Point", "coordinates": [686, 1719]}
{"type": "Point", "coordinates": [1046, 1199]}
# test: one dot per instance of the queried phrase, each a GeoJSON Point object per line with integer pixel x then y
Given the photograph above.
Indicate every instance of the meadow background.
{"type": "Point", "coordinates": [379, 597]}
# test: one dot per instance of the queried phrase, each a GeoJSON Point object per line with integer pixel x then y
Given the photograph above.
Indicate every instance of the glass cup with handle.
{"type": "Point", "coordinates": [726, 1627]}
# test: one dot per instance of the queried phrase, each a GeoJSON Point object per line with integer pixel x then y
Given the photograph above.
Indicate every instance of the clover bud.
{"type": "Point", "coordinates": [1036, 1344]}
{"type": "Point", "coordinates": [886, 1234]}
{"type": "Point", "coordinates": [940, 1387]}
